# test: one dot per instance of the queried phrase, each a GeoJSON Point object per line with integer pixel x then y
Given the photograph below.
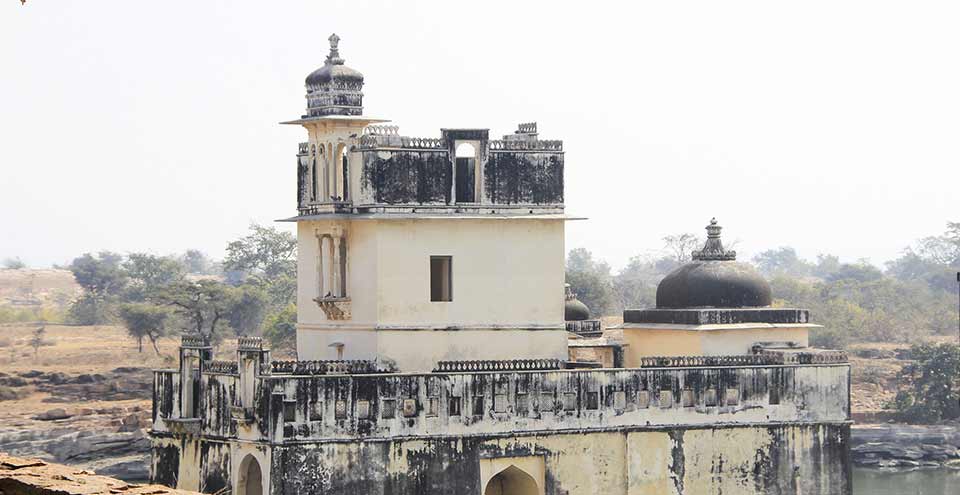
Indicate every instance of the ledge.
{"type": "Point", "coordinates": [716, 316]}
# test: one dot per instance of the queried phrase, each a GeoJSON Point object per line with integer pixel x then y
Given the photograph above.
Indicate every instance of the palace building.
{"type": "Point", "coordinates": [438, 351]}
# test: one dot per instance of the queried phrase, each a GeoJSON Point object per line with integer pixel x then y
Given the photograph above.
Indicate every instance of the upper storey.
{"type": "Point", "coordinates": [350, 166]}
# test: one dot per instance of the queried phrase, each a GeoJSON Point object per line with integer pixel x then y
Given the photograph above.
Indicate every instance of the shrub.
{"type": "Point", "coordinates": [828, 338]}
{"type": "Point", "coordinates": [930, 386]}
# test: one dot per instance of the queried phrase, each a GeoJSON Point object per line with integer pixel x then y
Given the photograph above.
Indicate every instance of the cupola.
{"type": "Point", "coordinates": [713, 279]}
{"type": "Point", "coordinates": [334, 89]}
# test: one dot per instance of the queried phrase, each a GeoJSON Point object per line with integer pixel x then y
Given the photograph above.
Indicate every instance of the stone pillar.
{"type": "Point", "coordinates": [337, 281]}
{"type": "Point", "coordinates": [327, 259]}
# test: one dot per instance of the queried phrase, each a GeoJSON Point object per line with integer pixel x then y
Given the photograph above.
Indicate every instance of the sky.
{"type": "Point", "coordinates": [828, 126]}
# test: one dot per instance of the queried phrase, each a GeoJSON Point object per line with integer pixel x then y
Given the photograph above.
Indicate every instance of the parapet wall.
{"type": "Point", "coordinates": [299, 408]}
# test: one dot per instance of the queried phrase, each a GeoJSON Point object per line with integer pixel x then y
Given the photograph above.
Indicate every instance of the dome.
{"type": "Point", "coordinates": [334, 89]}
{"type": "Point", "coordinates": [714, 279]}
{"type": "Point", "coordinates": [574, 310]}
{"type": "Point", "coordinates": [331, 71]}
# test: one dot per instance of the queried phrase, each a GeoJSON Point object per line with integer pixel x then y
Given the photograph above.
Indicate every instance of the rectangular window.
{"type": "Point", "coordinates": [441, 278]}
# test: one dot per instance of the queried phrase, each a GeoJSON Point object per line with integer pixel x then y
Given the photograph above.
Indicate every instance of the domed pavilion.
{"type": "Point", "coordinates": [712, 306]}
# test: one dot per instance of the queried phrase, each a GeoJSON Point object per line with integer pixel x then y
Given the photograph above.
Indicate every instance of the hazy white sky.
{"type": "Point", "coordinates": [152, 126]}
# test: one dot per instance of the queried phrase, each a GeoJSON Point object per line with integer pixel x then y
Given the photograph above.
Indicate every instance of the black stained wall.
{"type": "Point", "coordinates": [407, 176]}
{"type": "Point", "coordinates": [451, 465]}
{"type": "Point", "coordinates": [524, 177]}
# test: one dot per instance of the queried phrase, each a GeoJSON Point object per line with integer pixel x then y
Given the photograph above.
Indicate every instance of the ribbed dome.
{"type": "Point", "coordinates": [334, 89]}
{"type": "Point", "coordinates": [574, 310]}
{"type": "Point", "coordinates": [329, 72]}
{"type": "Point", "coordinates": [713, 280]}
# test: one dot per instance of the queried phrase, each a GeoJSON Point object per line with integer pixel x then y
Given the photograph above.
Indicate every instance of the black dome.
{"type": "Point", "coordinates": [713, 280]}
{"type": "Point", "coordinates": [713, 284]}
{"type": "Point", "coordinates": [574, 310]}
{"type": "Point", "coordinates": [330, 72]}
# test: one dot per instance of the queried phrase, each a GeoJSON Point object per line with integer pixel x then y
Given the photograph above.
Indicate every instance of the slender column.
{"type": "Point", "coordinates": [319, 270]}
{"type": "Point", "coordinates": [327, 266]}
{"type": "Point", "coordinates": [337, 282]}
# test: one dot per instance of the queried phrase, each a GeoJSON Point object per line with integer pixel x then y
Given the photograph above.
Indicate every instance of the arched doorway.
{"type": "Point", "coordinates": [466, 173]}
{"type": "Point", "coordinates": [511, 481]}
{"type": "Point", "coordinates": [251, 479]}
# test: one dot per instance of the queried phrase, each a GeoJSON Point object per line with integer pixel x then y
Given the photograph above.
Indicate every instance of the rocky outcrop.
{"type": "Point", "coordinates": [109, 440]}
{"type": "Point", "coordinates": [19, 476]}
{"type": "Point", "coordinates": [905, 446]}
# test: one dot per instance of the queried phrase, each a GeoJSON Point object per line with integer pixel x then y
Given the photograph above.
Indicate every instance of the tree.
{"type": "Point", "coordinates": [930, 385]}
{"type": "Point", "coordinates": [201, 305]}
{"type": "Point", "coordinates": [247, 308]}
{"type": "Point", "coordinates": [144, 320]}
{"type": "Point", "coordinates": [36, 341]}
{"type": "Point", "coordinates": [781, 261]}
{"type": "Point", "coordinates": [196, 262]}
{"type": "Point", "coordinates": [150, 273]}
{"type": "Point", "coordinates": [591, 281]}
{"type": "Point", "coordinates": [280, 328]}
{"type": "Point", "coordinates": [102, 275]}
{"type": "Point", "coordinates": [681, 246]}
{"type": "Point", "coordinates": [13, 264]}
{"type": "Point", "coordinates": [266, 251]}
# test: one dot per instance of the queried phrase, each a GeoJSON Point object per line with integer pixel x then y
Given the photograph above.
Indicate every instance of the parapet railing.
{"type": "Point", "coordinates": [507, 365]}
{"type": "Point", "coordinates": [326, 367]}
{"type": "Point", "coordinates": [250, 343]}
{"type": "Point", "coordinates": [229, 367]}
{"type": "Point", "coordinates": [188, 341]}
{"type": "Point", "coordinates": [585, 327]}
{"type": "Point", "coordinates": [526, 145]}
{"type": "Point", "coordinates": [762, 359]}
{"type": "Point", "coordinates": [369, 141]}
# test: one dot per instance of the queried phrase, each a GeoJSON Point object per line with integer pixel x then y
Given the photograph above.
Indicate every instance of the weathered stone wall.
{"type": "Point", "coordinates": [518, 177]}
{"type": "Point", "coordinates": [785, 459]}
{"type": "Point", "coordinates": [346, 407]}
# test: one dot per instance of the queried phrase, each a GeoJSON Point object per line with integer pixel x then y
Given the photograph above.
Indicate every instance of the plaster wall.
{"type": "Point", "coordinates": [507, 296]}
{"type": "Point", "coordinates": [762, 459]}
{"type": "Point", "coordinates": [687, 340]}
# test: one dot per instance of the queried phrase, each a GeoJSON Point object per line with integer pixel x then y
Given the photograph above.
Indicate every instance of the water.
{"type": "Point", "coordinates": [919, 482]}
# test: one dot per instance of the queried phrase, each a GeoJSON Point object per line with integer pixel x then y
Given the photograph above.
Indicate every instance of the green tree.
{"type": "Point", "coordinates": [930, 385]}
{"type": "Point", "coordinates": [147, 272]}
{"type": "Point", "coordinates": [591, 280]}
{"type": "Point", "coordinates": [201, 305]}
{"type": "Point", "coordinates": [144, 320]}
{"type": "Point", "coordinates": [103, 279]}
{"type": "Point", "coordinates": [266, 251]}
{"type": "Point", "coordinates": [782, 261]}
{"type": "Point", "coordinates": [102, 274]}
{"type": "Point", "coordinates": [280, 328]}
{"type": "Point", "coordinates": [195, 262]}
{"type": "Point", "coordinates": [247, 308]}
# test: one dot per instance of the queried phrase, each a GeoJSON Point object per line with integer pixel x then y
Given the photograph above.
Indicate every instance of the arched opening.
{"type": "Point", "coordinates": [466, 173]}
{"type": "Point", "coordinates": [340, 177]}
{"type": "Point", "coordinates": [251, 479]}
{"type": "Point", "coordinates": [511, 481]}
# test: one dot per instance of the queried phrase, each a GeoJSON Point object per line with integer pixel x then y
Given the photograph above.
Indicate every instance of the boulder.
{"type": "Point", "coordinates": [53, 414]}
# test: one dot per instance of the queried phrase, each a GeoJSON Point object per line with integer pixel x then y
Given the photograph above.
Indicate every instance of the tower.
{"type": "Point", "coordinates": [416, 250]}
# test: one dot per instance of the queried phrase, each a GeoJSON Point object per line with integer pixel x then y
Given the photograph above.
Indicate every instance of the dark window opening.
{"type": "Point", "coordinates": [466, 173]}
{"type": "Point", "coordinates": [441, 278]}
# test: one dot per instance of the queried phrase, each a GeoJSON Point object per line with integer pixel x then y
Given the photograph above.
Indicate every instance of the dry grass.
{"type": "Point", "coordinates": [72, 349]}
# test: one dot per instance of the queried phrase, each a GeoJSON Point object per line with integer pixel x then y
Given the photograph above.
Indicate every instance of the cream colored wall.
{"type": "Point", "coordinates": [419, 350]}
{"type": "Point", "coordinates": [508, 277]}
{"type": "Point", "coordinates": [505, 272]}
{"type": "Point", "coordinates": [650, 342]}
{"type": "Point", "coordinates": [694, 341]}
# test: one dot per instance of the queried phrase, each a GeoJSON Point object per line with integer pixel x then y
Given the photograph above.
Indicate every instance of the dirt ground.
{"type": "Point", "coordinates": [30, 287]}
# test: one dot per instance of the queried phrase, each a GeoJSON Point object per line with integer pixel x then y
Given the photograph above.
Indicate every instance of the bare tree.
{"type": "Point", "coordinates": [681, 246]}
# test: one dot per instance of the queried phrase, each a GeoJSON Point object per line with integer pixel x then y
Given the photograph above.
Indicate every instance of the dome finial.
{"type": "Point", "coordinates": [713, 249]}
{"type": "Point", "coordinates": [334, 57]}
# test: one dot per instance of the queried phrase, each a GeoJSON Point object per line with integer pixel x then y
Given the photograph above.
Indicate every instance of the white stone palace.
{"type": "Point", "coordinates": [438, 354]}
